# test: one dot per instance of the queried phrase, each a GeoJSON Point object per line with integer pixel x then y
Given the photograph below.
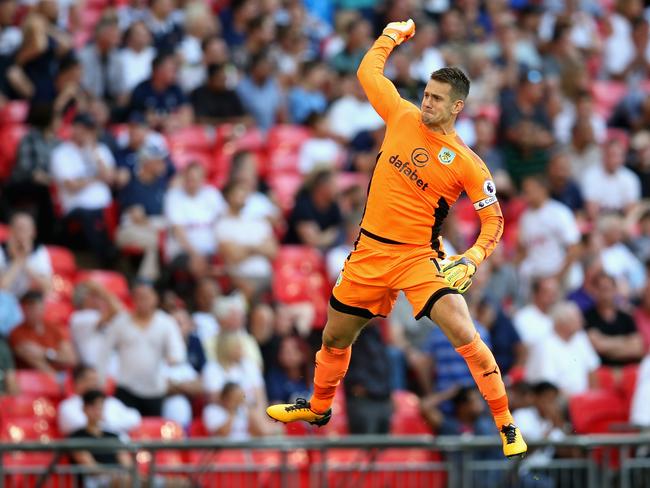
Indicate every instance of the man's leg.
{"type": "Point", "coordinates": [452, 316]}
{"type": "Point", "coordinates": [332, 362]}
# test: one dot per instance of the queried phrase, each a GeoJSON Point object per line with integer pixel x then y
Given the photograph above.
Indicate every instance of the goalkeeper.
{"type": "Point", "coordinates": [421, 169]}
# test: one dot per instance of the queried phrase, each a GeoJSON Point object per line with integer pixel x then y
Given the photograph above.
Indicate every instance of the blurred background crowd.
{"type": "Point", "coordinates": [182, 181]}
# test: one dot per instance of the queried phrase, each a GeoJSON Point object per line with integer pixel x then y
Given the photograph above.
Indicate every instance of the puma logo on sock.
{"type": "Point", "coordinates": [496, 371]}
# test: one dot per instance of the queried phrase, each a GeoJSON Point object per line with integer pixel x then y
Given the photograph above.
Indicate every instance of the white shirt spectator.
{"type": "Point", "coordinates": [430, 61]}
{"type": "Point", "coordinates": [619, 262]}
{"type": "Point", "coordinates": [246, 232]}
{"type": "Point", "coordinates": [88, 340]}
{"type": "Point", "coordinates": [565, 120]}
{"type": "Point", "coordinates": [38, 264]}
{"type": "Point", "coordinates": [193, 72]}
{"type": "Point", "coordinates": [582, 161]}
{"type": "Point", "coordinates": [545, 233]}
{"type": "Point", "coordinates": [258, 205]}
{"type": "Point", "coordinates": [70, 162]}
{"type": "Point", "coordinates": [135, 67]}
{"type": "Point", "coordinates": [566, 364]}
{"type": "Point", "coordinates": [611, 191]}
{"type": "Point", "coordinates": [348, 116]}
{"type": "Point", "coordinates": [640, 412]}
{"type": "Point", "coordinates": [178, 407]}
{"type": "Point", "coordinates": [532, 324]}
{"type": "Point", "coordinates": [207, 326]}
{"type": "Point", "coordinates": [143, 351]}
{"type": "Point", "coordinates": [335, 259]}
{"type": "Point", "coordinates": [619, 49]}
{"type": "Point", "coordinates": [117, 417]}
{"type": "Point", "coordinates": [318, 153]}
{"type": "Point", "coordinates": [197, 214]}
{"type": "Point", "coordinates": [246, 374]}
{"type": "Point", "coordinates": [11, 37]}
{"type": "Point", "coordinates": [215, 417]}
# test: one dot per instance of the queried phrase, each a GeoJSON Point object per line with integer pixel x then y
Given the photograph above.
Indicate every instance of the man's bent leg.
{"type": "Point", "coordinates": [452, 316]}
{"type": "Point", "coordinates": [332, 362]}
{"type": "Point", "coordinates": [333, 359]}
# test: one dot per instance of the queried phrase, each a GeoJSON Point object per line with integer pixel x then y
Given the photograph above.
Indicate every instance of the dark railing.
{"type": "Point", "coordinates": [603, 461]}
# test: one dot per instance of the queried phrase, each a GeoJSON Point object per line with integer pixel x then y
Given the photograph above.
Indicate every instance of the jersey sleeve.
{"type": "Point", "coordinates": [381, 92]}
{"type": "Point", "coordinates": [480, 188]}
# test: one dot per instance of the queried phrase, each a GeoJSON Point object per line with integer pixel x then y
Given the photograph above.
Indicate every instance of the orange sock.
{"type": "Point", "coordinates": [487, 376]}
{"type": "Point", "coordinates": [331, 366]}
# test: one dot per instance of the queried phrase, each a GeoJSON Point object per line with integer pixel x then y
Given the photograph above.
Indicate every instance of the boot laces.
{"type": "Point", "coordinates": [510, 432]}
{"type": "Point", "coordinates": [301, 404]}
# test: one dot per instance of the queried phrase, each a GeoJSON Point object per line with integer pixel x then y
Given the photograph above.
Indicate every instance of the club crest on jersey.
{"type": "Point", "coordinates": [446, 155]}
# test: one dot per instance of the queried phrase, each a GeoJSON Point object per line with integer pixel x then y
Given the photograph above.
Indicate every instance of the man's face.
{"type": "Point", "coordinates": [94, 411]}
{"type": "Point", "coordinates": [145, 299]}
{"type": "Point", "coordinates": [437, 105]}
{"type": "Point", "coordinates": [34, 312]}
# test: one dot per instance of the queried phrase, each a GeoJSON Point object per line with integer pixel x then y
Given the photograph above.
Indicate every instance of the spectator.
{"type": "Point", "coordinates": [426, 56]}
{"type": "Point", "coordinates": [617, 259]}
{"type": "Point", "coordinates": [83, 170]}
{"type": "Point", "coordinates": [214, 102]}
{"type": "Point", "coordinates": [619, 49]}
{"type": "Point", "coordinates": [565, 357]}
{"type": "Point", "coordinates": [135, 11]}
{"type": "Point", "coordinates": [38, 344]}
{"type": "Point", "coordinates": [533, 322]}
{"type": "Point", "coordinates": [93, 409]}
{"type": "Point", "coordinates": [10, 35]}
{"type": "Point", "coordinates": [581, 110]}
{"type": "Point", "coordinates": [137, 136]}
{"type": "Point", "coordinates": [260, 36]}
{"type": "Point", "coordinates": [29, 183]}
{"type": "Point", "coordinates": [135, 60]}
{"type": "Point", "coordinates": [367, 385]}
{"type": "Point", "coordinates": [562, 185]}
{"type": "Point", "coordinates": [485, 144]}
{"type": "Point", "coordinates": [165, 25]}
{"type": "Point", "coordinates": [116, 417]}
{"type": "Point", "coordinates": [100, 59]}
{"type": "Point", "coordinates": [612, 331]}
{"type": "Point", "coordinates": [205, 300]}
{"type": "Point", "coordinates": [160, 98]}
{"type": "Point", "coordinates": [640, 244]}
{"type": "Point", "coordinates": [640, 413]}
{"type": "Point", "coordinates": [307, 96]}
{"type": "Point", "coordinates": [95, 308]}
{"type": "Point", "coordinates": [145, 339]}
{"type": "Point", "coordinates": [184, 384]}
{"type": "Point", "coordinates": [199, 25]}
{"type": "Point", "coordinates": [192, 211]}
{"type": "Point", "coordinates": [321, 150]}
{"type": "Point", "coordinates": [583, 150]}
{"type": "Point", "coordinates": [232, 365]}
{"type": "Point", "coordinates": [610, 186]}
{"type": "Point", "coordinates": [503, 286]}
{"type": "Point", "coordinates": [548, 235]}
{"type": "Point", "coordinates": [335, 257]}
{"type": "Point", "coordinates": [230, 417]}
{"type": "Point", "coordinates": [357, 40]}
{"type": "Point", "coordinates": [8, 381]}
{"type": "Point", "coordinates": [316, 217]}
{"type": "Point", "coordinates": [247, 245]}
{"type": "Point", "coordinates": [24, 264]}
{"type": "Point", "coordinates": [260, 92]}
{"type": "Point", "coordinates": [642, 316]}
{"type": "Point", "coordinates": [526, 128]}
{"type": "Point", "coordinates": [352, 113]}
{"type": "Point", "coordinates": [141, 202]}
{"type": "Point", "coordinates": [244, 170]}
{"type": "Point", "coordinates": [291, 377]}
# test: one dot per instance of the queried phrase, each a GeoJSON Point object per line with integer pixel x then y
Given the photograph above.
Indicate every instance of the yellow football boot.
{"type": "Point", "coordinates": [513, 442]}
{"type": "Point", "coordinates": [290, 412]}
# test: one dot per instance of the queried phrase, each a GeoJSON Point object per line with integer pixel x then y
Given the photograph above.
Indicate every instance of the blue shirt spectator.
{"type": "Point", "coordinates": [260, 93]}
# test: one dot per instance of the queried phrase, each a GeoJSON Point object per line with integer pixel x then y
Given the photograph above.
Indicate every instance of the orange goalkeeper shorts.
{"type": "Point", "coordinates": [377, 270]}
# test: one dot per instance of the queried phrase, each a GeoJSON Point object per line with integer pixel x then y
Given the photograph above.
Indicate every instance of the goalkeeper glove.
{"type": "Point", "coordinates": [400, 31]}
{"type": "Point", "coordinates": [458, 273]}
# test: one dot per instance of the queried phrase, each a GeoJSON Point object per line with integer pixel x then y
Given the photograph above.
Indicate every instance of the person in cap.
{"type": "Point", "coordinates": [141, 200]}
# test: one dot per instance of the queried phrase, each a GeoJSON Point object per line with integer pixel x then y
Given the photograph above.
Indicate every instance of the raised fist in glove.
{"type": "Point", "coordinates": [458, 272]}
{"type": "Point", "coordinates": [400, 31]}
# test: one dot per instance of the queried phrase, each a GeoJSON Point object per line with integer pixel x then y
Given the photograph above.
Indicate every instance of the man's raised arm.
{"type": "Point", "coordinates": [380, 91]}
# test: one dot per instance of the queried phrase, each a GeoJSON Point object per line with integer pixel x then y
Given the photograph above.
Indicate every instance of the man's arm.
{"type": "Point", "coordinates": [381, 93]}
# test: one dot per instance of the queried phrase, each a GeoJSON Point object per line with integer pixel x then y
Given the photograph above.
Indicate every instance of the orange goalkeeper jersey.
{"type": "Point", "coordinates": [420, 173]}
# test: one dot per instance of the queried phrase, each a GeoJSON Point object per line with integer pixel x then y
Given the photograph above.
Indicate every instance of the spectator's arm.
{"type": "Point", "coordinates": [20, 82]}
{"type": "Point", "coordinates": [34, 40]}
{"type": "Point", "coordinates": [189, 388]}
{"type": "Point", "coordinates": [572, 253]}
{"type": "Point", "coordinates": [627, 347]}
{"type": "Point", "coordinates": [84, 458]}
{"type": "Point", "coordinates": [115, 306]}
{"type": "Point", "coordinates": [429, 406]}
{"type": "Point", "coordinates": [233, 253]}
{"type": "Point", "coordinates": [311, 235]}
{"type": "Point", "coordinates": [66, 355]}
{"type": "Point", "coordinates": [33, 355]}
{"type": "Point", "coordinates": [61, 38]}
{"type": "Point", "coordinates": [11, 382]}
{"type": "Point", "coordinates": [125, 459]}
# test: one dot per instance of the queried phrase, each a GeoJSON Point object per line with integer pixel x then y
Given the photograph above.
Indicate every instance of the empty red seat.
{"type": "Point", "coordinates": [595, 411]}
{"type": "Point", "coordinates": [407, 418]}
{"type": "Point", "coordinates": [285, 186]}
{"type": "Point", "coordinates": [22, 429]}
{"type": "Point", "coordinates": [11, 136]}
{"type": "Point", "coordinates": [63, 261]}
{"type": "Point", "coordinates": [284, 143]}
{"type": "Point", "coordinates": [194, 137]}
{"type": "Point", "coordinates": [4, 233]}
{"type": "Point", "coordinates": [157, 428]}
{"type": "Point", "coordinates": [606, 95]}
{"type": "Point", "coordinates": [112, 280]}
{"type": "Point", "coordinates": [37, 383]}
{"type": "Point", "coordinates": [27, 407]}
{"type": "Point", "coordinates": [57, 312]}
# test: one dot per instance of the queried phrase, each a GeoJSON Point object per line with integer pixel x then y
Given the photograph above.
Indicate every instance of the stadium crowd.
{"type": "Point", "coordinates": [183, 180]}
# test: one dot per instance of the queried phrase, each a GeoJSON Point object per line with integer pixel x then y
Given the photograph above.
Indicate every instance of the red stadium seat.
{"type": "Point", "coordinates": [112, 280]}
{"type": "Point", "coordinates": [27, 407]}
{"type": "Point", "coordinates": [37, 383]}
{"type": "Point", "coordinates": [14, 112]}
{"type": "Point", "coordinates": [407, 418]}
{"type": "Point", "coordinates": [57, 313]}
{"type": "Point", "coordinates": [4, 233]}
{"type": "Point", "coordinates": [26, 429]}
{"type": "Point", "coordinates": [628, 382]}
{"type": "Point", "coordinates": [11, 136]}
{"type": "Point", "coordinates": [184, 157]}
{"type": "Point", "coordinates": [63, 261]}
{"type": "Point", "coordinates": [595, 411]}
{"type": "Point", "coordinates": [285, 187]}
{"type": "Point", "coordinates": [193, 138]}
{"type": "Point", "coordinates": [157, 428]}
{"type": "Point", "coordinates": [607, 94]}
{"type": "Point", "coordinates": [284, 143]}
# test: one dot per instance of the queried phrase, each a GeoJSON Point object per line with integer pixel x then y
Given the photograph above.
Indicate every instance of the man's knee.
{"type": "Point", "coordinates": [337, 340]}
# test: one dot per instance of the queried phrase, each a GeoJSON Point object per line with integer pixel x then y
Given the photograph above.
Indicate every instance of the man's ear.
{"type": "Point", "coordinates": [457, 107]}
